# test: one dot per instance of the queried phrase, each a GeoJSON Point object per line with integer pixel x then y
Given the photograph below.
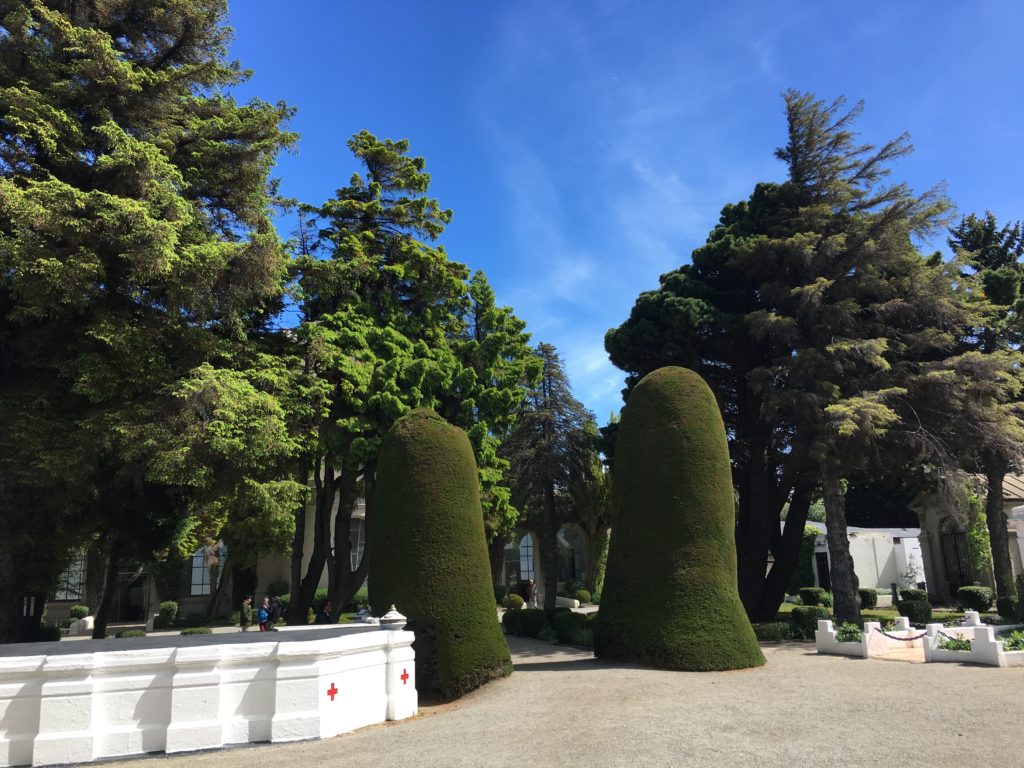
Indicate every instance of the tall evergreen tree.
{"type": "Point", "coordinates": [994, 254]}
{"type": "Point", "coordinates": [137, 265]}
{"type": "Point", "coordinates": [552, 451]}
{"type": "Point", "coordinates": [813, 317]}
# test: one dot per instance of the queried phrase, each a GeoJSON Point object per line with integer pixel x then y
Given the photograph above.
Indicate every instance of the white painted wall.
{"type": "Point", "coordinates": [141, 695]}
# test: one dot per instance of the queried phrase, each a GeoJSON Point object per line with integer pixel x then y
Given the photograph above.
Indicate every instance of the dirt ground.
{"type": "Point", "coordinates": [561, 707]}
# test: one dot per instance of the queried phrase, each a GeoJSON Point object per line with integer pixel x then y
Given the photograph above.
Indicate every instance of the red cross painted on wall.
{"type": "Point", "coordinates": [405, 676]}
{"type": "Point", "coordinates": [332, 691]}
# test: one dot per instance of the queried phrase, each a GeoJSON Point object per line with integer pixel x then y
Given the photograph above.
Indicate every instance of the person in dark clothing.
{"type": "Point", "coordinates": [323, 615]}
{"type": "Point", "coordinates": [275, 612]}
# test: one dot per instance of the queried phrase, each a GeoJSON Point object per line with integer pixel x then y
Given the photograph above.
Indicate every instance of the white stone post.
{"type": "Point", "coordinates": [400, 673]}
{"type": "Point", "coordinates": [195, 700]}
{"type": "Point", "coordinates": [65, 711]}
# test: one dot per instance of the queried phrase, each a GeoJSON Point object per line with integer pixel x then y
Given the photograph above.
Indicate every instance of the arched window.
{"type": "Point", "coordinates": [526, 557]}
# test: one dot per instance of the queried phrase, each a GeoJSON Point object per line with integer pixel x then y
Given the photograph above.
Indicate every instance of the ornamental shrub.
{"type": "Point", "coordinates": [1014, 641]}
{"type": "Point", "coordinates": [512, 621]}
{"type": "Point", "coordinates": [804, 572]}
{"type": "Point", "coordinates": [913, 594]}
{"type": "Point", "coordinates": [918, 611]}
{"type": "Point", "coordinates": [429, 555]}
{"type": "Point", "coordinates": [78, 611]}
{"type": "Point", "coordinates": [1009, 609]}
{"type": "Point", "coordinates": [868, 598]}
{"type": "Point", "coordinates": [514, 602]}
{"type": "Point", "coordinates": [805, 620]}
{"type": "Point", "coordinates": [566, 623]}
{"type": "Point", "coordinates": [774, 632]}
{"type": "Point", "coordinates": [197, 631]}
{"type": "Point", "coordinates": [582, 595]}
{"type": "Point", "coordinates": [130, 633]}
{"type": "Point", "coordinates": [848, 632]}
{"type": "Point", "coordinates": [975, 598]}
{"type": "Point", "coordinates": [48, 633]}
{"type": "Point", "coordinates": [534, 621]}
{"type": "Point", "coordinates": [168, 612]}
{"type": "Point", "coordinates": [813, 596]}
{"type": "Point", "coordinates": [953, 643]}
{"type": "Point", "coordinates": [670, 598]}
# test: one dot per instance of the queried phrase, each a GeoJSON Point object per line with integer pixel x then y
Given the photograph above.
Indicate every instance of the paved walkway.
{"type": "Point", "coordinates": [563, 708]}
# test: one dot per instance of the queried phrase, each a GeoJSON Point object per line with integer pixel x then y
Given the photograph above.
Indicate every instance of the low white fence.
{"type": "Point", "coordinates": [132, 696]}
{"type": "Point", "coordinates": [874, 642]}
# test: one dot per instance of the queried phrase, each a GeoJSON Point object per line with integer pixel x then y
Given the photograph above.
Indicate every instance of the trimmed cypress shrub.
{"type": "Point", "coordinates": [566, 624]}
{"type": "Point", "coordinates": [670, 598]}
{"type": "Point", "coordinates": [168, 612]}
{"type": "Point", "coordinates": [582, 595]}
{"type": "Point", "coordinates": [197, 631]}
{"type": "Point", "coordinates": [130, 633]}
{"type": "Point", "coordinates": [805, 620]}
{"type": "Point", "coordinates": [814, 596]}
{"type": "Point", "coordinates": [514, 602]}
{"type": "Point", "coordinates": [48, 633]}
{"type": "Point", "coordinates": [428, 555]}
{"type": "Point", "coordinates": [975, 598]}
{"type": "Point", "coordinates": [868, 597]}
{"type": "Point", "coordinates": [918, 611]}
{"type": "Point", "coordinates": [913, 594]}
{"type": "Point", "coordinates": [513, 622]}
{"type": "Point", "coordinates": [535, 620]}
{"type": "Point", "coordinates": [1009, 609]}
{"type": "Point", "coordinates": [78, 611]}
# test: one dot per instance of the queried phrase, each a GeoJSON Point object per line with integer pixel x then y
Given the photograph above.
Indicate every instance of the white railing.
{"type": "Point", "coordinates": [124, 697]}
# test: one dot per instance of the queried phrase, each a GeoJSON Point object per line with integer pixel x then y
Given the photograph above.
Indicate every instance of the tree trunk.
{"type": "Point", "coordinates": [995, 471]}
{"type": "Point", "coordinates": [786, 551]}
{"type": "Point", "coordinates": [15, 626]}
{"type": "Point", "coordinates": [102, 614]}
{"type": "Point", "coordinates": [549, 547]}
{"type": "Point", "coordinates": [496, 556]}
{"type": "Point", "coordinates": [223, 589]}
{"type": "Point", "coordinates": [844, 579]}
{"type": "Point", "coordinates": [95, 575]}
{"type": "Point", "coordinates": [347, 581]}
{"type": "Point", "coordinates": [298, 545]}
{"type": "Point", "coordinates": [303, 591]}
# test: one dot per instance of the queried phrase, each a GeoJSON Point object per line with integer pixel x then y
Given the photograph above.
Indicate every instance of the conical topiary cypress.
{"type": "Point", "coordinates": [670, 597]}
{"type": "Point", "coordinates": [428, 555]}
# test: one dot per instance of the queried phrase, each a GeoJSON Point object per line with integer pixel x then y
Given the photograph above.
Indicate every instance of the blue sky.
{"type": "Point", "coordinates": [587, 146]}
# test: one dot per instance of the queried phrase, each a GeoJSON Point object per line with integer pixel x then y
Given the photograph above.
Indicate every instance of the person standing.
{"type": "Point", "coordinates": [275, 611]}
{"type": "Point", "coordinates": [263, 614]}
{"type": "Point", "coordinates": [245, 614]}
{"type": "Point", "coordinates": [531, 594]}
{"type": "Point", "coordinates": [323, 616]}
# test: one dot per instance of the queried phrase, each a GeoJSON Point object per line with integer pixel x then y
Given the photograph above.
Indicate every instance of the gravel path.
{"type": "Point", "coordinates": [563, 708]}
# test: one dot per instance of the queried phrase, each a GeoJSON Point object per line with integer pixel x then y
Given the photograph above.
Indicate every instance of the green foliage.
{"type": "Point", "coordinates": [499, 593]}
{"type": "Point", "coordinates": [48, 633]}
{"type": "Point", "coordinates": [602, 563]}
{"type": "Point", "coordinates": [193, 620]}
{"type": "Point", "coordinates": [1014, 641]}
{"type": "Point", "coordinates": [514, 602]}
{"type": "Point", "coordinates": [975, 598]}
{"type": "Point", "coordinates": [534, 621]}
{"type": "Point", "coordinates": [804, 573]}
{"type": "Point", "coordinates": [674, 504]}
{"type": "Point", "coordinates": [774, 632]}
{"type": "Point", "coordinates": [165, 617]}
{"type": "Point", "coordinates": [197, 631]}
{"type": "Point", "coordinates": [805, 620]}
{"type": "Point", "coordinates": [429, 526]}
{"type": "Point", "coordinates": [512, 621]}
{"type": "Point", "coordinates": [954, 643]}
{"type": "Point", "coordinates": [979, 548]}
{"type": "Point", "coordinates": [582, 595]}
{"type": "Point", "coordinates": [913, 594]}
{"type": "Point", "coordinates": [848, 632]}
{"type": "Point", "coordinates": [815, 596]}
{"type": "Point", "coordinates": [131, 633]}
{"type": "Point", "coordinates": [78, 611]}
{"type": "Point", "coordinates": [279, 588]}
{"type": "Point", "coordinates": [918, 611]}
{"type": "Point", "coordinates": [565, 624]}
{"type": "Point", "coordinates": [1008, 609]}
{"type": "Point", "coordinates": [868, 597]}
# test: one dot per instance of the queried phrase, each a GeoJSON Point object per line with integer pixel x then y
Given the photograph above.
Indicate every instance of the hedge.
{"type": "Point", "coordinates": [815, 596]}
{"type": "Point", "coordinates": [48, 633]}
{"type": "Point", "coordinates": [168, 612]}
{"type": "Point", "coordinates": [868, 598]}
{"type": "Point", "coordinates": [429, 555]}
{"type": "Point", "coordinates": [1009, 609]}
{"type": "Point", "coordinates": [774, 632]}
{"type": "Point", "coordinates": [918, 611]}
{"type": "Point", "coordinates": [975, 598]}
{"type": "Point", "coordinates": [566, 624]}
{"type": "Point", "coordinates": [670, 598]}
{"type": "Point", "coordinates": [130, 633]}
{"type": "Point", "coordinates": [197, 631]}
{"type": "Point", "coordinates": [805, 620]}
{"type": "Point", "coordinates": [913, 594]}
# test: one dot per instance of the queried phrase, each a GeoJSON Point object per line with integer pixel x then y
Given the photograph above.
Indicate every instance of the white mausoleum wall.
{"type": "Point", "coordinates": [90, 700]}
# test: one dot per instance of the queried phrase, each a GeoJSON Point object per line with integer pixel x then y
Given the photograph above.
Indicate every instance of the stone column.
{"type": "Point", "coordinates": [400, 668]}
{"type": "Point", "coordinates": [21, 682]}
{"type": "Point", "coordinates": [296, 693]}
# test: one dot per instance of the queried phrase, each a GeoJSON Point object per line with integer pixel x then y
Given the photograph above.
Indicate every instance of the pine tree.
{"type": "Point", "coordinates": [138, 266]}
{"type": "Point", "coordinates": [551, 448]}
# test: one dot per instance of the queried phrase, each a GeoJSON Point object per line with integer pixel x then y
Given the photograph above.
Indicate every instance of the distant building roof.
{"type": "Point", "coordinates": [1013, 488]}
